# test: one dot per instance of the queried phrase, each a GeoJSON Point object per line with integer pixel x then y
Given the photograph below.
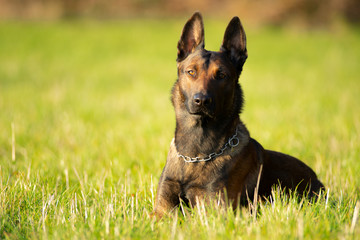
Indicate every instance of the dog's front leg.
{"type": "Point", "coordinates": [199, 195]}
{"type": "Point", "coordinates": [167, 198]}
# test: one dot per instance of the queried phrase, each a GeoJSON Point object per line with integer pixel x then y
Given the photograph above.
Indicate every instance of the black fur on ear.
{"type": "Point", "coordinates": [234, 43]}
{"type": "Point", "coordinates": [192, 37]}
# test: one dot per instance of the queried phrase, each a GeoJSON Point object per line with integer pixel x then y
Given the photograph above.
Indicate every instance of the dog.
{"type": "Point", "coordinates": [212, 155]}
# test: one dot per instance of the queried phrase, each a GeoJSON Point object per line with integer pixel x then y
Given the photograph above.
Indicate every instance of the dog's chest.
{"type": "Point", "coordinates": [196, 179]}
{"type": "Point", "coordinates": [199, 178]}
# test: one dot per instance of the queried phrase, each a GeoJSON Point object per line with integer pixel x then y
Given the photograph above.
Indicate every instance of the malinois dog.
{"type": "Point", "coordinates": [212, 154]}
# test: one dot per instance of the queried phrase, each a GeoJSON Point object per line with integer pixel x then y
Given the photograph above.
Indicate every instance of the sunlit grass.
{"type": "Point", "coordinates": [85, 109]}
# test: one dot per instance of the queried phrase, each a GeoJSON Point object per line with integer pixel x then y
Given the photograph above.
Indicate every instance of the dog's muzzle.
{"type": "Point", "coordinates": [201, 104]}
{"type": "Point", "coordinates": [202, 100]}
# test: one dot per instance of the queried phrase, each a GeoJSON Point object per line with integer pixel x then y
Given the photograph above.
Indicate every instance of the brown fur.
{"type": "Point", "coordinates": [207, 99]}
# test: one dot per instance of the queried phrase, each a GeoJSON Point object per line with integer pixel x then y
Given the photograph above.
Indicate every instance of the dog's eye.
{"type": "Point", "coordinates": [191, 73]}
{"type": "Point", "coordinates": [220, 75]}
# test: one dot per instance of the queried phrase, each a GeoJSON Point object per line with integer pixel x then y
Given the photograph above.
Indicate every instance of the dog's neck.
{"type": "Point", "coordinates": [199, 138]}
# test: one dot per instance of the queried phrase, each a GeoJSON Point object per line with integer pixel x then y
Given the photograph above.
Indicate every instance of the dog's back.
{"type": "Point", "coordinates": [288, 172]}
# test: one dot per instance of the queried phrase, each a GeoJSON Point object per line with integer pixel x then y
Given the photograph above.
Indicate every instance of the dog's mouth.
{"type": "Point", "coordinates": [200, 112]}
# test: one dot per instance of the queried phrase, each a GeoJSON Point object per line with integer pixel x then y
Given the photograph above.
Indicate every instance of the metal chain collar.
{"type": "Point", "coordinates": [232, 142]}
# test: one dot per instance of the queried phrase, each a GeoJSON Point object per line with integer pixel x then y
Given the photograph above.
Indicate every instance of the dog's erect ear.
{"type": "Point", "coordinates": [192, 37]}
{"type": "Point", "coordinates": [234, 43]}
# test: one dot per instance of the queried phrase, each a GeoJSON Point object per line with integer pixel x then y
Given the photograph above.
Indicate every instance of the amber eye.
{"type": "Point", "coordinates": [191, 73]}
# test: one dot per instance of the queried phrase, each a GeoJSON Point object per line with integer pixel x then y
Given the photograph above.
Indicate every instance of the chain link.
{"type": "Point", "coordinates": [232, 142]}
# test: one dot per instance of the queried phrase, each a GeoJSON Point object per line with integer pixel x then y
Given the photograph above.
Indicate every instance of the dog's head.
{"type": "Point", "coordinates": [207, 80]}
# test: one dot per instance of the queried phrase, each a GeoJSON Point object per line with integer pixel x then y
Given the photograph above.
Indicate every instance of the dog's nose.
{"type": "Point", "coordinates": [202, 99]}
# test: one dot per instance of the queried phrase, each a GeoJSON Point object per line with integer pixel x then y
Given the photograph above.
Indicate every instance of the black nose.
{"type": "Point", "coordinates": [202, 99]}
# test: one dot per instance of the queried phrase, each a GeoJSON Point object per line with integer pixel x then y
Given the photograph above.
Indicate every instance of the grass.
{"type": "Point", "coordinates": [86, 122]}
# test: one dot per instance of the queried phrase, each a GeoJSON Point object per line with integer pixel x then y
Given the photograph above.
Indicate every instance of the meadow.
{"type": "Point", "coordinates": [86, 122]}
